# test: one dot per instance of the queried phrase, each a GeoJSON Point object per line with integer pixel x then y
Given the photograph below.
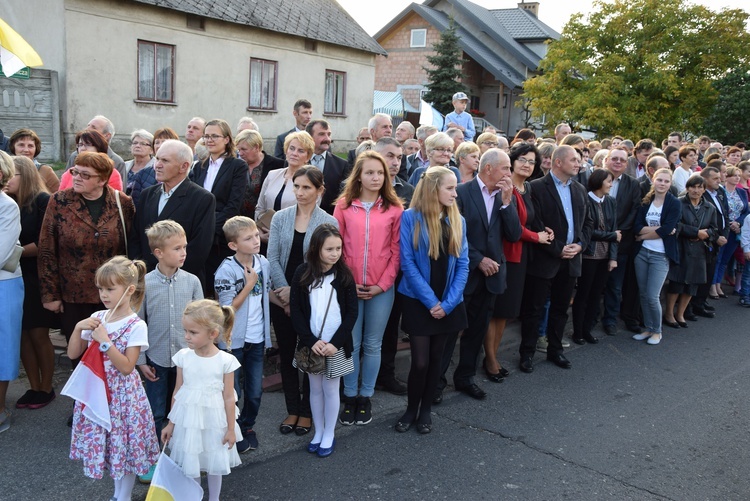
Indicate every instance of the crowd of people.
{"type": "Point", "coordinates": [213, 246]}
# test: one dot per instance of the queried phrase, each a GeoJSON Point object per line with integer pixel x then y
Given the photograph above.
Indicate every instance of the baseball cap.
{"type": "Point", "coordinates": [460, 96]}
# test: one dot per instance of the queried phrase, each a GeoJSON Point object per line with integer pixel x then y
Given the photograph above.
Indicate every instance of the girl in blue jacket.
{"type": "Point", "coordinates": [435, 265]}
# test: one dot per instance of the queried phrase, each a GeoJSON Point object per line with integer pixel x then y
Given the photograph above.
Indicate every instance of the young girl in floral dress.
{"type": "Point", "coordinates": [130, 447]}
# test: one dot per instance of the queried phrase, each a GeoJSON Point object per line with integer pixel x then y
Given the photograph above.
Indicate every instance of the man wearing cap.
{"type": "Point", "coordinates": [459, 118]}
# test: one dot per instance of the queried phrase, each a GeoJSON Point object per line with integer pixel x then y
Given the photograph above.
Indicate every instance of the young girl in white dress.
{"type": "Point", "coordinates": [130, 447]}
{"type": "Point", "coordinates": [202, 422]}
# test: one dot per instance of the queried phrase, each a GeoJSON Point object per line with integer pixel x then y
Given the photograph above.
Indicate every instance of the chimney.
{"type": "Point", "coordinates": [530, 7]}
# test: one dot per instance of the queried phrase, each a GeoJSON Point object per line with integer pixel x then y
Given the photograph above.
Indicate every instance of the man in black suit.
{"type": "Point", "coordinates": [621, 293]}
{"type": "Point", "coordinates": [486, 203]}
{"type": "Point", "coordinates": [302, 115]}
{"type": "Point", "coordinates": [717, 197]}
{"type": "Point", "coordinates": [335, 169]}
{"type": "Point", "coordinates": [179, 199]}
{"type": "Point", "coordinates": [560, 205]}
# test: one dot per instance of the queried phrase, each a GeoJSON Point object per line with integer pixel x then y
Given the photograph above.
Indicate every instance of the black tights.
{"type": "Point", "coordinates": [426, 361]}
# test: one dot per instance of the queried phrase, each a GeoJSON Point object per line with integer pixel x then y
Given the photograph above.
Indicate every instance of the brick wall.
{"type": "Point", "coordinates": [404, 64]}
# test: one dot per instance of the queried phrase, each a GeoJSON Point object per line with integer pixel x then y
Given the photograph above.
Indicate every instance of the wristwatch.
{"type": "Point", "coordinates": [104, 347]}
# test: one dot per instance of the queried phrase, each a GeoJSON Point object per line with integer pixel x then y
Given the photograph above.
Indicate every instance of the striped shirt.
{"type": "Point", "coordinates": [166, 299]}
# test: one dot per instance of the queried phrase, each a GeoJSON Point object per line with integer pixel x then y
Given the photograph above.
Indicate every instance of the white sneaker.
{"type": "Point", "coordinates": [541, 344]}
{"type": "Point", "coordinates": [642, 336]}
{"type": "Point", "coordinates": [654, 339]}
{"type": "Point", "coordinates": [565, 343]}
{"type": "Point", "coordinates": [4, 420]}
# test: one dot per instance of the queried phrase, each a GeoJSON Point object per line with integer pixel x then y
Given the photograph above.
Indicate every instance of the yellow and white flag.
{"type": "Point", "coordinates": [171, 484]}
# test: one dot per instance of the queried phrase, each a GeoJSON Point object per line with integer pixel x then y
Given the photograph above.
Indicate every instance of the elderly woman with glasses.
{"type": "Point", "coordinates": [224, 175]}
{"type": "Point", "coordinates": [439, 147]}
{"type": "Point", "coordinates": [82, 229]}
{"type": "Point", "coordinates": [91, 141]}
{"type": "Point", "coordinates": [26, 143]}
{"type": "Point", "coordinates": [487, 140]}
{"type": "Point", "coordinates": [141, 142]}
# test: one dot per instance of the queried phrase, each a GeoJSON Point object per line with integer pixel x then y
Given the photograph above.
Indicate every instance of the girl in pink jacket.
{"type": "Point", "coordinates": [369, 216]}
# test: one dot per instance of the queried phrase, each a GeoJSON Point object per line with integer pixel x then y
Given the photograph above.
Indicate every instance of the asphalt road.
{"type": "Point", "coordinates": [628, 421]}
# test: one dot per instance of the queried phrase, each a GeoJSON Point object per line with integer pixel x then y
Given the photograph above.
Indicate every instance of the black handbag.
{"type": "Point", "coordinates": [304, 358]}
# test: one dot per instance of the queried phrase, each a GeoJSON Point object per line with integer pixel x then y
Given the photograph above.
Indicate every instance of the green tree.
{"type": "Point", "coordinates": [445, 75]}
{"type": "Point", "coordinates": [729, 122]}
{"type": "Point", "coordinates": [639, 67]}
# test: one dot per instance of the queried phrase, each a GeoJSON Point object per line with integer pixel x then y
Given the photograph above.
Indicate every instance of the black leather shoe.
{"type": "Point", "coordinates": [703, 313]}
{"type": "Point", "coordinates": [579, 340]}
{"type": "Point", "coordinates": [673, 325]}
{"type": "Point", "coordinates": [690, 317]}
{"type": "Point", "coordinates": [496, 377]}
{"type": "Point", "coordinates": [504, 372]}
{"type": "Point", "coordinates": [708, 307]}
{"type": "Point", "coordinates": [473, 391]}
{"type": "Point", "coordinates": [438, 398]}
{"type": "Point", "coordinates": [590, 339]}
{"type": "Point", "coordinates": [610, 330]}
{"type": "Point", "coordinates": [560, 361]}
{"type": "Point", "coordinates": [392, 385]}
{"type": "Point", "coordinates": [526, 365]}
{"type": "Point", "coordinates": [634, 328]}
{"type": "Point", "coordinates": [402, 427]}
{"type": "Point", "coordinates": [684, 325]}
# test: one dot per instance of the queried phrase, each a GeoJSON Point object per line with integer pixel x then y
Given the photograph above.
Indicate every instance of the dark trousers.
{"type": "Point", "coordinates": [296, 404]}
{"type": "Point", "coordinates": [559, 289]}
{"type": "Point", "coordinates": [631, 298]}
{"type": "Point", "coordinates": [160, 393]}
{"type": "Point", "coordinates": [621, 293]}
{"type": "Point", "coordinates": [390, 342]}
{"type": "Point", "coordinates": [591, 283]}
{"type": "Point", "coordinates": [704, 289]}
{"type": "Point", "coordinates": [479, 306]}
{"type": "Point", "coordinates": [74, 313]}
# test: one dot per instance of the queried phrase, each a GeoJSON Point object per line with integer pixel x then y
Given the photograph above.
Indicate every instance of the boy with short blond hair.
{"type": "Point", "coordinates": [169, 289]}
{"type": "Point", "coordinates": [243, 281]}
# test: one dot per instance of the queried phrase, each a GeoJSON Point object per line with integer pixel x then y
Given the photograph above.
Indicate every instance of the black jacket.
{"type": "Point", "coordinates": [693, 252]}
{"type": "Point", "coordinates": [335, 172]}
{"type": "Point", "coordinates": [609, 207]}
{"type": "Point", "coordinates": [628, 200]}
{"type": "Point", "coordinates": [300, 310]}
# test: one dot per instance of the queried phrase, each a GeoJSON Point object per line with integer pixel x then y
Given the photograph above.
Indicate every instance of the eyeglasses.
{"type": "Point", "coordinates": [82, 145]}
{"type": "Point", "coordinates": [140, 143]}
{"type": "Point", "coordinates": [524, 160]}
{"type": "Point", "coordinates": [212, 137]}
{"type": "Point", "coordinates": [618, 159]}
{"type": "Point", "coordinates": [443, 150]}
{"type": "Point", "coordinates": [83, 175]}
{"type": "Point", "coordinates": [491, 144]}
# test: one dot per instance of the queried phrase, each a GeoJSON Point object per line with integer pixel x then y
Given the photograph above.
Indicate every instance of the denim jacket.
{"type": "Point", "coordinates": [415, 265]}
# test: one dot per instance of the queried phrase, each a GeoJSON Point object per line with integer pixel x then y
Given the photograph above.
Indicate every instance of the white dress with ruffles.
{"type": "Point", "coordinates": [199, 417]}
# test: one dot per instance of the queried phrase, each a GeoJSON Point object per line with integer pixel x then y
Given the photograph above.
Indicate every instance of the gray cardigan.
{"type": "Point", "coordinates": [282, 235]}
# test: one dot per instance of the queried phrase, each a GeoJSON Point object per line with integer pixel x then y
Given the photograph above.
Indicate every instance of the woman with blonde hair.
{"type": "Point", "coordinates": [435, 264]}
{"type": "Point", "coordinates": [467, 156]}
{"type": "Point", "coordinates": [259, 163]}
{"type": "Point", "coordinates": [439, 148]}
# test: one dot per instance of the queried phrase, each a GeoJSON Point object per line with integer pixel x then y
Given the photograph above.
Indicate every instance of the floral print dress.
{"type": "Point", "coordinates": [131, 447]}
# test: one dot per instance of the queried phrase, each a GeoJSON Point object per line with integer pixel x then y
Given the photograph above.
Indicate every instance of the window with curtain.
{"type": "Point", "coordinates": [335, 93]}
{"type": "Point", "coordinates": [263, 84]}
{"type": "Point", "coordinates": [155, 72]}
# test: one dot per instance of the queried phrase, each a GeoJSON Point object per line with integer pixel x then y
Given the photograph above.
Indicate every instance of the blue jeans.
{"type": "Point", "coordinates": [651, 270]}
{"type": "Point", "coordinates": [251, 358]}
{"type": "Point", "coordinates": [160, 392]}
{"type": "Point", "coordinates": [368, 334]}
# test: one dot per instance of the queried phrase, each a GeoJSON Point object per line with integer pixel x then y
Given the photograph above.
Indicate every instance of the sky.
{"type": "Point", "coordinates": [554, 13]}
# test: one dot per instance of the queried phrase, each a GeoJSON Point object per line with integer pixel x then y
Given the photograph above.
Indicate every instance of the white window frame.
{"type": "Point", "coordinates": [419, 31]}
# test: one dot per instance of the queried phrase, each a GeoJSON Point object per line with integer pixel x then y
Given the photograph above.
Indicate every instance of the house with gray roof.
{"type": "Point", "coordinates": [501, 49]}
{"type": "Point", "coordinates": [156, 63]}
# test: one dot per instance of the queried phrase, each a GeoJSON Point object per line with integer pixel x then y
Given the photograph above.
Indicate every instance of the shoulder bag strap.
{"type": "Point", "coordinates": [326, 313]}
{"type": "Point", "coordinates": [122, 219]}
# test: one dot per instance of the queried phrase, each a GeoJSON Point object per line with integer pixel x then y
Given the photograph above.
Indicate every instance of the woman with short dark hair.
{"type": "Point", "coordinates": [698, 231]}
{"type": "Point", "coordinates": [26, 143]}
{"type": "Point", "coordinates": [599, 258]}
{"type": "Point", "coordinates": [91, 141]}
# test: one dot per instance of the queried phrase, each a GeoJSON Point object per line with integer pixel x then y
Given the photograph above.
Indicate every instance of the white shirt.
{"type": "Point", "coordinates": [653, 218]}
{"type": "Point", "coordinates": [254, 329]}
{"type": "Point", "coordinates": [318, 304]}
{"type": "Point", "coordinates": [212, 172]}
{"type": "Point", "coordinates": [165, 195]}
